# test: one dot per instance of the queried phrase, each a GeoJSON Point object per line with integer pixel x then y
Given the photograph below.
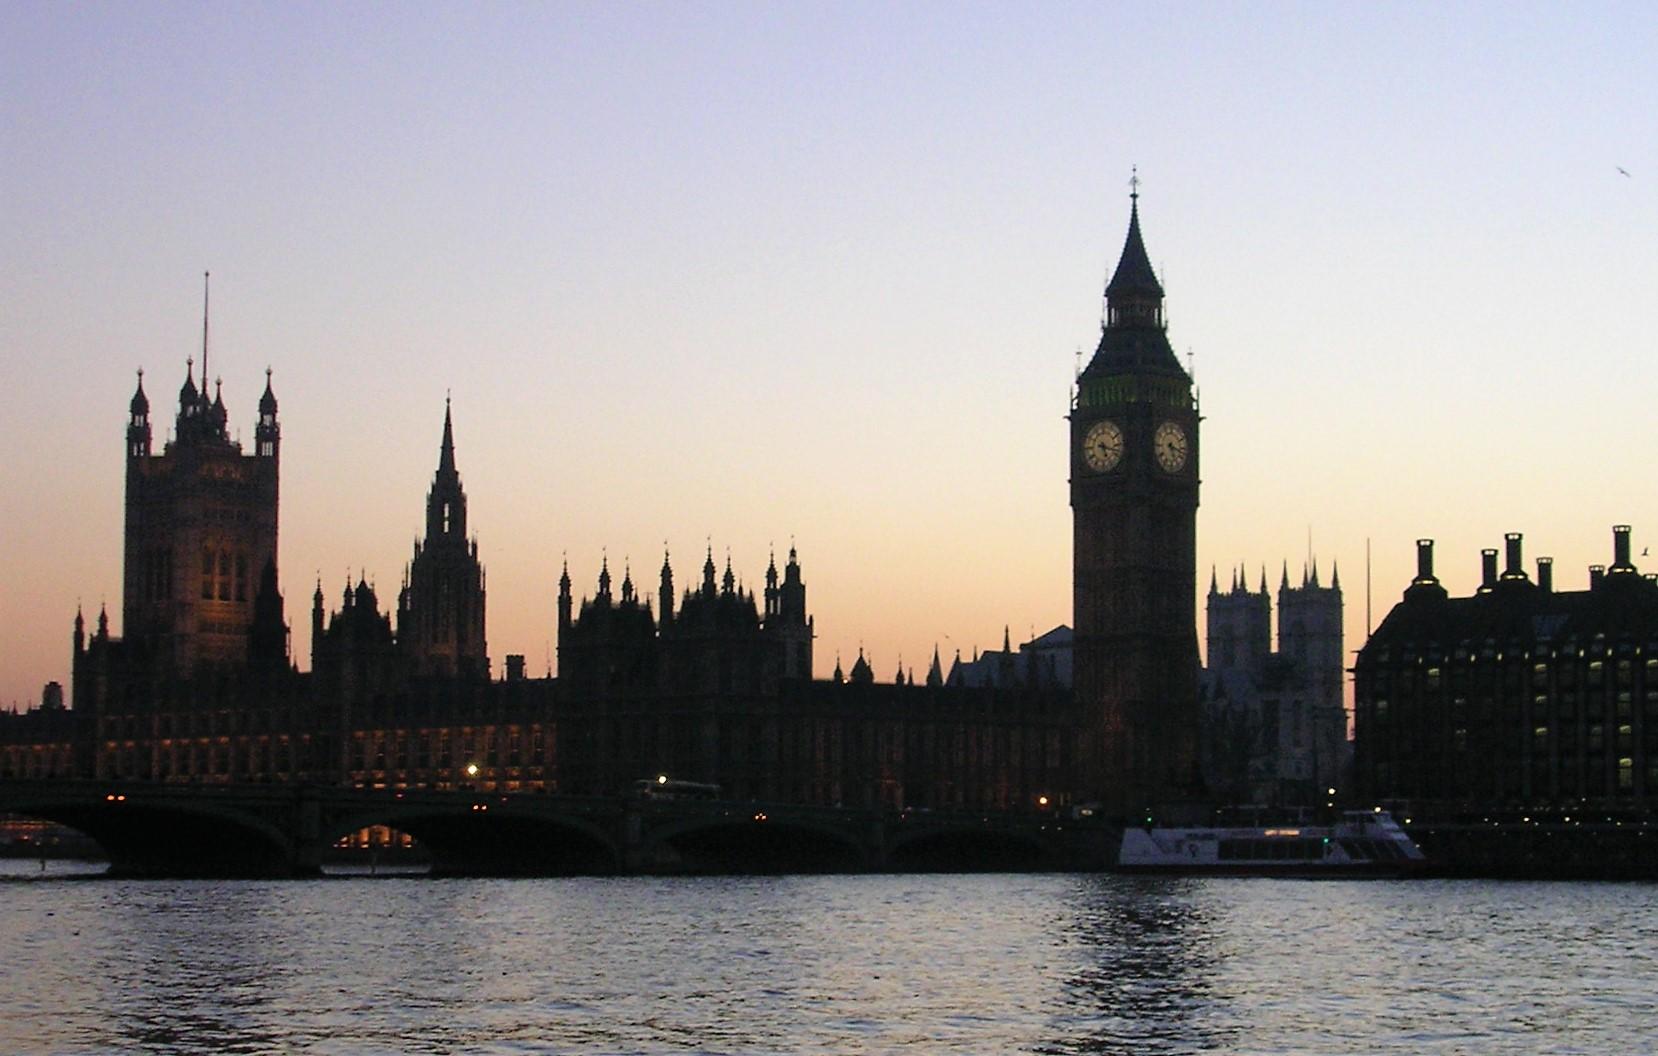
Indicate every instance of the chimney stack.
{"type": "Point", "coordinates": [1620, 549]}
{"type": "Point", "coordinates": [1597, 574]}
{"type": "Point", "coordinates": [1424, 561]}
{"type": "Point", "coordinates": [1488, 569]}
{"type": "Point", "coordinates": [1545, 574]}
{"type": "Point", "coordinates": [1513, 571]}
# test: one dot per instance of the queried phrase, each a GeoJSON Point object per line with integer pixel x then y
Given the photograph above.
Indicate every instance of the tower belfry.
{"type": "Point", "coordinates": [201, 528]}
{"type": "Point", "coordinates": [1134, 496]}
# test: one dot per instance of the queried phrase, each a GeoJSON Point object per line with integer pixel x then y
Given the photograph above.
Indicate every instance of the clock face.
{"type": "Point", "coordinates": [1102, 448]}
{"type": "Point", "coordinates": [1169, 444]}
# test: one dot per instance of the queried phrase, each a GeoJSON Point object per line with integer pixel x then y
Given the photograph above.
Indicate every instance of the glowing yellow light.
{"type": "Point", "coordinates": [661, 779]}
{"type": "Point", "coordinates": [1041, 801]}
{"type": "Point", "coordinates": [471, 769]}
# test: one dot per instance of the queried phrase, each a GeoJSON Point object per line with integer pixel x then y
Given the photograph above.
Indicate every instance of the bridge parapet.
{"type": "Point", "coordinates": [279, 830]}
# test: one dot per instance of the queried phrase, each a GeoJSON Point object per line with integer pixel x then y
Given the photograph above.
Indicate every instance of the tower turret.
{"type": "Point", "coordinates": [268, 634]}
{"type": "Point", "coordinates": [772, 597]}
{"type": "Point", "coordinates": [665, 593]}
{"type": "Point", "coordinates": [138, 422]}
{"type": "Point", "coordinates": [566, 606]}
{"type": "Point", "coordinates": [792, 594]}
{"type": "Point", "coordinates": [317, 617]}
{"type": "Point", "coordinates": [267, 434]}
{"type": "Point", "coordinates": [786, 622]}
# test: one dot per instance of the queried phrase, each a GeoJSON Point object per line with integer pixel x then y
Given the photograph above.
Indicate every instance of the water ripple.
{"type": "Point", "coordinates": [929, 964]}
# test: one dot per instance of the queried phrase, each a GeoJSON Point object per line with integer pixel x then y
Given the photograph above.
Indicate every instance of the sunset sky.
{"type": "Point", "coordinates": [762, 272]}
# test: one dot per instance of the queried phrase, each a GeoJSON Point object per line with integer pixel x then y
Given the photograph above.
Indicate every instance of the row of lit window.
{"type": "Point", "coordinates": [1569, 781]}
{"type": "Point", "coordinates": [1565, 706]}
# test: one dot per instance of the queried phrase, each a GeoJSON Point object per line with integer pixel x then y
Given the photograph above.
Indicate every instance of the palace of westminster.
{"type": "Point", "coordinates": [713, 684]}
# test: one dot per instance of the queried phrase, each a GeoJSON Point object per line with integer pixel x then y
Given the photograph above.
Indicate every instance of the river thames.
{"type": "Point", "coordinates": [1044, 963]}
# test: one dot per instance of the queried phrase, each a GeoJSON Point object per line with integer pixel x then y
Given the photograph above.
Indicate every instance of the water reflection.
{"type": "Point", "coordinates": [1142, 981]}
{"type": "Point", "coordinates": [846, 964]}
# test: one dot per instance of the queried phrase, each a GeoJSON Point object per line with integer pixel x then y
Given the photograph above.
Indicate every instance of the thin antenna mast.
{"type": "Point", "coordinates": [1367, 588]}
{"type": "Point", "coordinates": [204, 292]}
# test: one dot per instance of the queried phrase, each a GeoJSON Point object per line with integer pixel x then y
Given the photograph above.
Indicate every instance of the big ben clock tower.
{"type": "Point", "coordinates": [1134, 489]}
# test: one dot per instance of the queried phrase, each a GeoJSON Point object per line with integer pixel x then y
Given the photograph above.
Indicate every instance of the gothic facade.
{"type": "Point", "coordinates": [1274, 720]}
{"type": "Point", "coordinates": [200, 537]}
{"type": "Point", "coordinates": [713, 684]}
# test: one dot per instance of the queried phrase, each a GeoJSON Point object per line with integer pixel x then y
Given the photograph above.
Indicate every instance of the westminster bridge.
{"type": "Point", "coordinates": [263, 830]}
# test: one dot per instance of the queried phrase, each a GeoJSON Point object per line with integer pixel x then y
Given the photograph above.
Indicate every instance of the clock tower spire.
{"type": "Point", "coordinates": [1134, 495]}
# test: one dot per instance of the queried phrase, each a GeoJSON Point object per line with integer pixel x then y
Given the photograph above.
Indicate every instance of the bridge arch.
{"type": "Point", "coordinates": [490, 839]}
{"type": "Point", "coordinates": [751, 841]}
{"type": "Point", "coordinates": [969, 848]}
{"type": "Point", "coordinates": [162, 833]}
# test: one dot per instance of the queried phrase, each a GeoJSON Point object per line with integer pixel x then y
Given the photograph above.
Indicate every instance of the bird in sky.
{"type": "Point", "coordinates": [1623, 170]}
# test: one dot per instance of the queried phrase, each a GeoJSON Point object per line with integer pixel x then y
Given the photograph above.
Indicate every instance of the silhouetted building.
{"type": "Point", "coordinates": [1134, 495]}
{"type": "Point", "coordinates": [1275, 724]}
{"type": "Point", "coordinates": [1042, 662]}
{"type": "Point", "coordinates": [1519, 697]}
{"type": "Point", "coordinates": [200, 528]}
{"type": "Point", "coordinates": [714, 686]}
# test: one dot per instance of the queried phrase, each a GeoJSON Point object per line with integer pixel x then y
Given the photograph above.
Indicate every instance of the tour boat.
{"type": "Point", "coordinates": [1359, 844]}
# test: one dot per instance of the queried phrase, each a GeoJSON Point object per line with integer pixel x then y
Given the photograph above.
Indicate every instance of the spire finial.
{"type": "Point", "coordinates": [1134, 184]}
{"type": "Point", "coordinates": [446, 448]}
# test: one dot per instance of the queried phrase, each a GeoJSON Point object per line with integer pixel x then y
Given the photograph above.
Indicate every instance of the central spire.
{"type": "Point", "coordinates": [446, 502]}
{"type": "Point", "coordinates": [1134, 274]}
{"type": "Point", "coordinates": [1133, 336]}
{"type": "Point", "coordinates": [1134, 297]}
{"type": "Point", "coordinates": [446, 455]}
